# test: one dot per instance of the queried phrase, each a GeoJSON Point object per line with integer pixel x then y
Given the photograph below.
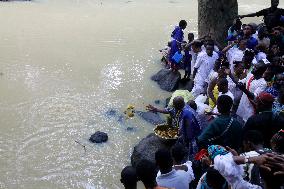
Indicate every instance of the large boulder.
{"type": "Point", "coordinates": [151, 117]}
{"type": "Point", "coordinates": [147, 148]}
{"type": "Point", "coordinates": [167, 79]}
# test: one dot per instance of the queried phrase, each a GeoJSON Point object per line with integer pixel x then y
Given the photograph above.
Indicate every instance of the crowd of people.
{"type": "Point", "coordinates": [240, 90]}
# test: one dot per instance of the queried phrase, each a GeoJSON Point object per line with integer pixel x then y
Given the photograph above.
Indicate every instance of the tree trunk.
{"type": "Point", "coordinates": [215, 17]}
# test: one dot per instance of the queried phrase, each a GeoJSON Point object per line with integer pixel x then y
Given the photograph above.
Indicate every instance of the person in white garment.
{"type": "Point", "coordinates": [204, 64]}
{"type": "Point", "coordinates": [252, 87]}
{"type": "Point", "coordinates": [168, 176]}
{"type": "Point", "coordinates": [196, 49]}
{"type": "Point", "coordinates": [235, 52]}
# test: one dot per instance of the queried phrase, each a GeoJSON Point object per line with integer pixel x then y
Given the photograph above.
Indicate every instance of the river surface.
{"type": "Point", "coordinates": [69, 68]}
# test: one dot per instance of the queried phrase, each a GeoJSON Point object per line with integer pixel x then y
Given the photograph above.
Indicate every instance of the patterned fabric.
{"type": "Point", "coordinates": [215, 150]}
{"type": "Point", "coordinates": [277, 108]}
{"type": "Point", "coordinates": [272, 90]}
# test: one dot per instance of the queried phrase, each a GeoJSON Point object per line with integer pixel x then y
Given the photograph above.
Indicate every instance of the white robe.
{"type": "Point", "coordinates": [232, 172]}
{"type": "Point", "coordinates": [204, 64]}
{"type": "Point", "coordinates": [246, 109]}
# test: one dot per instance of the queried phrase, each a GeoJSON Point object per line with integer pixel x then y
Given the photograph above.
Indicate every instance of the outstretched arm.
{"type": "Point", "coordinates": [248, 15]}
{"type": "Point", "coordinates": [228, 47]}
{"type": "Point", "coordinates": [154, 109]}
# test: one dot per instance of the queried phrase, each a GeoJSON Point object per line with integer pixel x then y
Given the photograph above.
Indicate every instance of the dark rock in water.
{"type": "Point", "coordinates": [99, 137]}
{"type": "Point", "coordinates": [130, 129]}
{"type": "Point", "coordinates": [168, 101]}
{"type": "Point", "coordinates": [111, 113]}
{"type": "Point", "coordinates": [147, 148]}
{"type": "Point", "coordinates": [151, 117]}
{"type": "Point", "coordinates": [167, 79]}
{"type": "Point", "coordinates": [157, 101]}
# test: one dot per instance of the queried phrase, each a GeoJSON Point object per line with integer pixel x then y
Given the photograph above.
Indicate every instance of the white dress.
{"type": "Point", "coordinates": [232, 172]}
{"type": "Point", "coordinates": [246, 109]}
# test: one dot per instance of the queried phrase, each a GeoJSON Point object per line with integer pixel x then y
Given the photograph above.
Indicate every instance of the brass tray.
{"type": "Point", "coordinates": [164, 131]}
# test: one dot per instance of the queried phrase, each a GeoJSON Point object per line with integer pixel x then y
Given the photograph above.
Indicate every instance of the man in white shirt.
{"type": "Point", "coordinates": [196, 49]}
{"type": "Point", "coordinates": [255, 84]}
{"type": "Point", "coordinates": [204, 64]}
{"type": "Point", "coordinates": [169, 177]}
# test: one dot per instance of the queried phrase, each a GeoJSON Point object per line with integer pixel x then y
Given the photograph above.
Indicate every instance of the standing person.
{"type": "Point", "coordinates": [235, 53]}
{"type": "Point", "coordinates": [235, 29]}
{"type": "Point", "coordinates": [177, 34]}
{"type": "Point", "coordinates": [224, 130]}
{"type": "Point", "coordinates": [276, 85]}
{"type": "Point", "coordinates": [254, 85]}
{"type": "Point", "coordinates": [188, 54]}
{"type": "Point", "coordinates": [186, 61]}
{"type": "Point", "coordinates": [223, 89]}
{"type": "Point", "coordinates": [196, 49]}
{"type": "Point", "coordinates": [129, 177]}
{"type": "Point", "coordinates": [184, 118]}
{"type": "Point", "coordinates": [264, 121]}
{"type": "Point", "coordinates": [278, 105]}
{"type": "Point", "coordinates": [177, 39]}
{"type": "Point", "coordinates": [263, 38]}
{"type": "Point", "coordinates": [253, 146]}
{"type": "Point", "coordinates": [271, 15]}
{"type": "Point", "coordinates": [204, 64]}
{"type": "Point", "coordinates": [146, 172]}
{"type": "Point", "coordinates": [248, 35]}
{"type": "Point", "coordinates": [248, 61]}
{"type": "Point", "coordinates": [169, 177]}
{"type": "Point", "coordinates": [238, 74]}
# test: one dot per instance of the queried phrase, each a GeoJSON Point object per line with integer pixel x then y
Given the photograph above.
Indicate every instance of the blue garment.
{"type": "Point", "coordinates": [272, 90]}
{"type": "Point", "coordinates": [252, 43]}
{"type": "Point", "coordinates": [187, 61]}
{"type": "Point", "coordinates": [177, 57]}
{"type": "Point", "coordinates": [277, 108]}
{"type": "Point", "coordinates": [174, 48]}
{"type": "Point", "coordinates": [177, 34]}
{"type": "Point", "coordinates": [189, 133]}
{"type": "Point", "coordinates": [215, 150]}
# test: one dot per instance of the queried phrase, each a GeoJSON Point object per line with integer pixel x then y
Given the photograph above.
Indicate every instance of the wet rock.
{"type": "Point", "coordinates": [99, 137]}
{"type": "Point", "coordinates": [130, 129]}
{"type": "Point", "coordinates": [157, 101]}
{"type": "Point", "coordinates": [167, 79]}
{"type": "Point", "coordinates": [168, 101]}
{"type": "Point", "coordinates": [147, 148]}
{"type": "Point", "coordinates": [151, 117]}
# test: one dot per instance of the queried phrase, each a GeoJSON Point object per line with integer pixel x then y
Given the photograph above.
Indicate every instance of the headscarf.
{"type": "Point", "coordinates": [215, 150]}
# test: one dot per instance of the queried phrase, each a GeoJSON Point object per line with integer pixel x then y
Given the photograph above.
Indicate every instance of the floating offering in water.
{"type": "Point", "coordinates": [129, 112]}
